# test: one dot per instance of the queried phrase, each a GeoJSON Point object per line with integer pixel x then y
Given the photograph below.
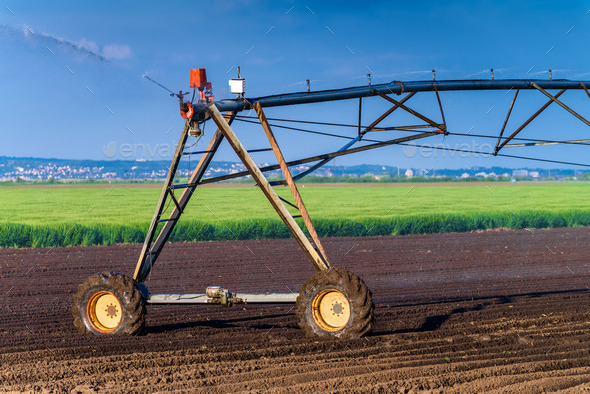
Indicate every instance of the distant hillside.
{"type": "Point", "coordinates": [37, 169]}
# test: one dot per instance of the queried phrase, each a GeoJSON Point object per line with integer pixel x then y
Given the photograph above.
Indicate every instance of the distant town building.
{"type": "Point", "coordinates": [37, 169]}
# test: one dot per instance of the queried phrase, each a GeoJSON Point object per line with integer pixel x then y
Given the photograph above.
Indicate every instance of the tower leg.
{"type": "Point", "coordinates": [316, 259]}
{"type": "Point", "coordinates": [152, 248]}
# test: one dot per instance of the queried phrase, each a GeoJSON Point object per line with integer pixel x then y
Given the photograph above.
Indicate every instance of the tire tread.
{"type": "Point", "coordinates": [356, 291]}
{"type": "Point", "coordinates": [125, 289]}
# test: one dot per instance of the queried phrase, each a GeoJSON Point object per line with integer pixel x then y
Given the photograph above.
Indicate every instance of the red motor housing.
{"type": "Point", "coordinates": [198, 78]}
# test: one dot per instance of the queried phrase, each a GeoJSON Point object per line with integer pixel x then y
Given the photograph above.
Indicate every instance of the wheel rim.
{"type": "Point", "coordinates": [104, 311]}
{"type": "Point", "coordinates": [330, 310]}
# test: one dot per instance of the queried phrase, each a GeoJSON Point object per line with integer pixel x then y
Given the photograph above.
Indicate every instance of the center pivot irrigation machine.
{"type": "Point", "coordinates": [334, 302]}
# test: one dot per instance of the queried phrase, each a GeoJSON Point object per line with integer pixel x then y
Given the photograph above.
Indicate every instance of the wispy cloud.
{"type": "Point", "coordinates": [116, 51]}
{"type": "Point", "coordinates": [90, 45]}
{"type": "Point", "coordinates": [85, 47]}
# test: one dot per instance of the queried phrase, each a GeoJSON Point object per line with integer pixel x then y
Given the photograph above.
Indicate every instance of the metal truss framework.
{"type": "Point", "coordinates": [161, 228]}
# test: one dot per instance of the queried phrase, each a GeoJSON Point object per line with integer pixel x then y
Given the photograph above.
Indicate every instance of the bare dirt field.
{"type": "Point", "coordinates": [502, 310]}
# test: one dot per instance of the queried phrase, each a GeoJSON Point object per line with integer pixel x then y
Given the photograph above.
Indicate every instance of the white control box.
{"type": "Point", "coordinates": [237, 85]}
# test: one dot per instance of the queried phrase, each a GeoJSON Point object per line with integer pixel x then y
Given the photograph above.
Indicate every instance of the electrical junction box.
{"type": "Point", "coordinates": [237, 85]}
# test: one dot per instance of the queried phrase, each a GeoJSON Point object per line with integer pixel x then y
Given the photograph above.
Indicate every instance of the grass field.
{"type": "Point", "coordinates": [42, 216]}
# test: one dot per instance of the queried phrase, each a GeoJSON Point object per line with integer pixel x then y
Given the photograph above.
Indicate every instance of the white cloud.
{"type": "Point", "coordinates": [115, 51]}
{"type": "Point", "coordinates": [90, 45]}
{"type": "Point", "coordinates": [83, 47]}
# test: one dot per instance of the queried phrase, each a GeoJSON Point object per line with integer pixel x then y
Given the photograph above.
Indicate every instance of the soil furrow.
{"type": "Point", "coordinates": [502, 310]}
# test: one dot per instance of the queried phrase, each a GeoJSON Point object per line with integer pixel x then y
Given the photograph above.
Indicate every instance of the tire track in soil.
{"type": "Point", "coordinates": [499, 310]}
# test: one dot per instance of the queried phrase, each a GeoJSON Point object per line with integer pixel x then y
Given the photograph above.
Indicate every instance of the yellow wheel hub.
{"type": "Point", "coordinates": [330, 310]}
{"type": "Point", "coordinates": [104, 311]}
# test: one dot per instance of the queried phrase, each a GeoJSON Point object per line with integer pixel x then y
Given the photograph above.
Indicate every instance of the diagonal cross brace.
{"type": "Point", "coordinates": [529, 120]}
{"type": "Point", "coordinates": [568, 109]}
{"type": "Point", "coordinates": [141, 269]}
{"type": "Point", "coordinates": [342, 152]}
{"type": "Point", "coordinates": [316, 259]}
{"type": "Point", "coordinates": [506, 121]}
{"type": "Point", "coordinates": [356, 139]}
{"type": "Point", "coordinates": [443, 127]}
{"type": "Point", "coordinates": [152, 248]}
{"type": "Point", "coordinates": [289, 179]}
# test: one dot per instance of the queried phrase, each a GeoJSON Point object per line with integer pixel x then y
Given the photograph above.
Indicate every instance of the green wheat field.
{"type": "Point", "coordinates": [83, 215]}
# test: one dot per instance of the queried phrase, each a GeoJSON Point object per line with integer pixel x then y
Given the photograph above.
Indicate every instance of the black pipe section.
{"type": "Point", "coordinates": [389, 88]}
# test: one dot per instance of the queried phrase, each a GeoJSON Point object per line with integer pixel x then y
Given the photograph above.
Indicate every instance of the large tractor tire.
{"type": "Point", "coordinates": [108, 304]}
{"type": "Point", "coordinates": [335, 303]}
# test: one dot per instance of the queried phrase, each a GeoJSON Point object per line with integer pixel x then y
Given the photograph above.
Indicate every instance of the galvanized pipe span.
{"type": "Point", "coordinates": [391, 88]}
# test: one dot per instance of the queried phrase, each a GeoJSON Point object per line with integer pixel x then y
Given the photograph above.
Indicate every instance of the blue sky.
{"type": "Point", "coordinates": [72, 86]}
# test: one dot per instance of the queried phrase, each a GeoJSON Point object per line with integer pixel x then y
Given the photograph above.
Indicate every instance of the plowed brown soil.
{"type": "Point", "coordinates": [501, 310]}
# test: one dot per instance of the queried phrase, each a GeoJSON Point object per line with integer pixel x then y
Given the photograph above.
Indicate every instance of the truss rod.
{"type": "Point", "coordinates": [506, 120]}
{"type": "Point", "coordinates": [409, 129]}
{"type": "Point", "coordinates": [411, 111]}
{"type": "Point", "coordinates": [326, 161]}
{"type": "Point", "coordinates": [442, 113]}
{"type": "Point", "coordinates": [585, 142]}
{"type": "Point", "coordinates": [358, 137]}
{"type": "Point", "coordinates": [568, 109]}
{"type": "Point", "coordinates": [150, 252]}
{"type": "Point", "coordinates": [320, 157]}
{"type": "Point", "coordinates": [360, 114]}
{"type": "Point", "coordinates": [290, 182]}
{"type": "Point", "coordinates": [200, 152]}
{"type": "Point", "coordinates": [240, 117]}
{"type": "Point", "coordinates": [571, 142]}
{"type": "Point", "coordinates": [292, 163]}
{"type": "Point", "coordinates": [298, 129]}
{"type": "Point", "coordinates": [386, 114]}
{"type": "Point", "coordinates": [141, 267]}
{"type": "Point", "coordinates": [499, 154]}
{"type": "Point", "coordinates": [529, 120]}
{"type": "Point", "coordinates": [268, 191]}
